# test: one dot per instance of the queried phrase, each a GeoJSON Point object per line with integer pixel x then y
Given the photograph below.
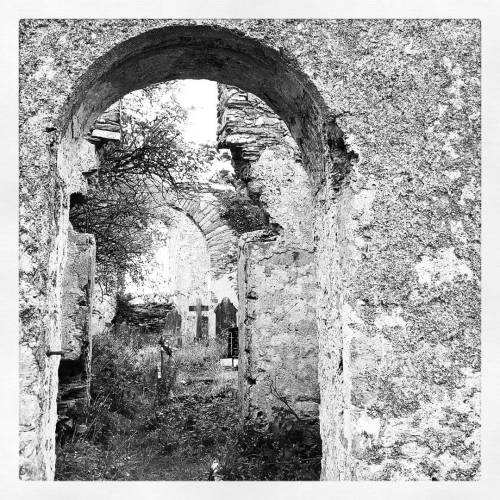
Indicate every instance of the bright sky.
{"type": "Point", "coordinates": [199, 98]}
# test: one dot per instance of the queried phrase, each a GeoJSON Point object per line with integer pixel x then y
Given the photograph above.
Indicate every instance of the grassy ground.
{"type": "Point", "coordinates": [178, 441]}
{"type": "Point", "coordinates": [128, 435]}
{"type": "Point", "coordinates": [140, 439]}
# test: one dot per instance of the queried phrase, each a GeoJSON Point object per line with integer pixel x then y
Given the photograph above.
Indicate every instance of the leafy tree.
{"type": "Point", "coordinates": [127, 194]}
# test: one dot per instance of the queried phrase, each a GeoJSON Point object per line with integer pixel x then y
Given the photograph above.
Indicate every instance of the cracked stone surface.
{"type": "Point", "coordinates": [276, 277]}
{"type": "Point", "coordinates": [77, 311]}
{"type": "Point", "coordinates": [386, 115]}
{"type": "Point", "coordinates": [277, 327]}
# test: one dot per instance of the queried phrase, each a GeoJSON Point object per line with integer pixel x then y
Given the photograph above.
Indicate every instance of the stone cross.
{"type": "Point", "coordinates": [198, 308]}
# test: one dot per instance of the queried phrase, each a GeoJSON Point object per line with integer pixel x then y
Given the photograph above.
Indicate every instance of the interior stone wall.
{"type": "Point", "coordinates": [386, 114]}
{"type": "Point", "coordinates": [186, 268]}
{"type": "Point", "coordinates": [277, 327]}
{"type": "Point", "coordinates": [276, 271]}
{"type": "Point", "coordinates": [77, 310]}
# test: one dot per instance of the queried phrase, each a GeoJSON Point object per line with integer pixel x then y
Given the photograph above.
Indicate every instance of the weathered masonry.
{"type": "Point", "coordinates": [277, 328]}
{"type": "Point", "coordinates": [278, 338]}
{"type": "Point", "coordinates": [77, 308]}
{"type": "Point", "coordinates": [386, 116]}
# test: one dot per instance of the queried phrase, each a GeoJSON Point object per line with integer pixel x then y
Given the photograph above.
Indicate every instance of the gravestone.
{"type": "Point", "coordinates": [173, 323]}
{"type": "Point", "coordinates": [201, 321]}
{"type": "Point", "coordinates": [232, 342]}
{"type": "Point", "coordinates": [204, 327]}
{"type": "Point", "coordinates": [225, 323]}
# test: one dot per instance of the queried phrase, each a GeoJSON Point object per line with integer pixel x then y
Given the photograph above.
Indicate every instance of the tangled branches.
{"type": "Point", "coordinates": [127, 194]}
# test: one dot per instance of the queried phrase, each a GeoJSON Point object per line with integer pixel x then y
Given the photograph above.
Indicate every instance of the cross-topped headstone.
{"type": "Point", "coordinates": [198, 308]}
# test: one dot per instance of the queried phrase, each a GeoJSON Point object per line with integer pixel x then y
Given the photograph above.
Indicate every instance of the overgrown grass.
{"type": "Point", "coordinates": [131, 435]}
{"type": "Point", "coordinates": [285, 449]}
{"type": "Point", "coordinates": [199, 357]}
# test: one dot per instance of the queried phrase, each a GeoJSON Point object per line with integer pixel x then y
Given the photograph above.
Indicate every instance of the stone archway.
{"type": "Point", "coordinates": [194, 52]}
{"type": "Point", "coordinates": [399, 340]}
{"type": "Point", "coordinates": [172, 52]}
{"type": "Point", "coordinates": [222, 241]}
{"type": "Point", "coordinates": [230, 59]}
{"type": "Point", "coordinates": [188, 270]}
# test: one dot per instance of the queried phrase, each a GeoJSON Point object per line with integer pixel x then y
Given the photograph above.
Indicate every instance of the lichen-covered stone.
{"type": "Point", "coordinates": [277, 327]}
{"type": "Point", "coordinates": [247, 126]}
{"type": "Point", "coordinates": [386, 114]}
{"type": "Point", "coordinates": [77, 310]}
{"type": "Point", "coordinates": [276, 279]}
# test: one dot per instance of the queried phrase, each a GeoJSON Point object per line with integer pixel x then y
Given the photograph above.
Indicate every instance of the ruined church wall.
{"type": "Point", "coordinates": [187, 268]}
{"type": "Point", "coordinates": [77, 308]}
{"type": "Point", "coordinates": [277, 327]}
{"type": "Point", "coordinates": [276, 269]}
{"type": "Point", "coordinates": [268, 162]}
{"type": "Point", "coordinates": [399, 259]}
{"type": "Point", "coordinates": [398, 228]}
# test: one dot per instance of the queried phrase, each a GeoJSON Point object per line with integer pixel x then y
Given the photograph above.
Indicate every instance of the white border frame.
{"type": "Point", "coordinates": [10, 485]}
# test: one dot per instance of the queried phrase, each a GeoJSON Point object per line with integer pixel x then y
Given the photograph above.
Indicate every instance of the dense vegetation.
{"type": "Point", "coordinates": [241, 213]}
{"type": "Point", "coordinates": [127, 433]}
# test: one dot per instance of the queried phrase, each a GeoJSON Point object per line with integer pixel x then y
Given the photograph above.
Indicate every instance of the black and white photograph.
{"type": "Point", "coordinates": [249, 249]}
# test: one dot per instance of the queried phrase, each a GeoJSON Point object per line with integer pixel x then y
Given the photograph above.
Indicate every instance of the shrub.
{"type": "Point", "coordinates": [124, 381]}
{"type": "Point", "coordinates": [285, 449]}
{"type": "Point", "coordinates": [241, 213]}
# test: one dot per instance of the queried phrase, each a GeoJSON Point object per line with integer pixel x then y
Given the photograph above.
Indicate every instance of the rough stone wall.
{"type": "Point", "coordinates": [266, 159]}
{"type": "Point", "coordinates": [277, 327]}
{"type": "Point", "coordinates": [108, 126]}
{"type": "Point", "coordinates": [186, 267]}
{"type": "Point", "coordinates": [183, 273]}
{"type": "Point", "coordinates": [399, 259]}
{"type": "Point", "coordinates": [41, 264]}
{"type": "Point", "coordinates": [104, 310]}
{"type": "Point", "coordinates": [386, 114]}
{"type": "Point", "coordinates": [77, 309]}
{"type": "Point", "coordinates": [140, 322]}
{"type": "Point", "coordinates": [248, 126]}
{"type": "Point", "coordinates": [276, 277]}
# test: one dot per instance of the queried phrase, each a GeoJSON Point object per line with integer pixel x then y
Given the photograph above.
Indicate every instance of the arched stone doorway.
{"type": "Point", "coordinates": [399, 340]}
{"type": "Point", "coordinates": [173, 52]}
{"type": "Point", "coordinates": [194, 52]}
{"type": "Point", "coordinates": [291, 96]}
